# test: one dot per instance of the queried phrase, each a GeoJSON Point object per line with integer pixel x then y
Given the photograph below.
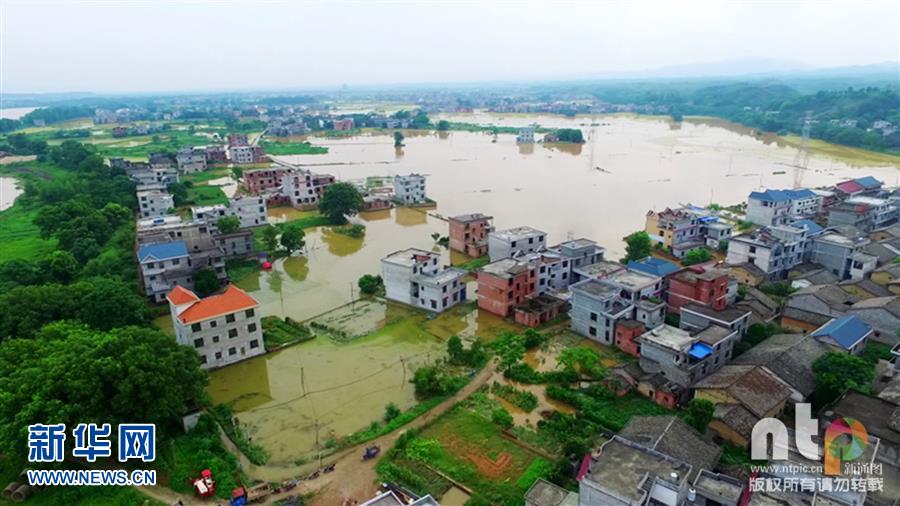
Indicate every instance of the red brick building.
{"type": "Point", "coordinates": [343, 124]}
{"type": "Point", "coordinates": [468, 234]}
{"type": "Point", "coordinates": [625, 334]}
{"type": "Point", "coordinates": [539, 310]}
{"type": "Point", "coordinates": [263, 179]}
{"type": "Point", "coordinates": [504, 284]}
{"type": "Point", "coordinates": [237, 140]}
{"type": "Point", "coordinates": [705, 286]}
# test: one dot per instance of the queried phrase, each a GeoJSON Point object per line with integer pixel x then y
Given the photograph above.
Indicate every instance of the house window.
{"type": "Point", "coordinates": [592, 331]}
{"type": "Point", "coordinates": [232, 351]}
{"type": "Point", "coordinates": [232, 333]}
{"type": "Point", "coordinates": [249, 313]}
{"type": "Point", "coordinates": [195, 327]}
{"type": "Point", "coordinates": [254, 343]}
{"type": "Point", "coordinates": [215, 339]}
{"type": "Point", "coordinates": [218, 355]}
{"type": "Point", "coordinates": [229, 318]}
{"type": "Point", "coordinates": [212, 324]}
{"type": "Point", "coordinates": [433, 304]}
{"type": "Point", "coordinates": [251, 327]}
{"type": "Point", "coordinates": [202, 359]}
{"type": "Point", "coordinates": [593, 317]}
{"type": "Point", "coordinates": [198, 343]}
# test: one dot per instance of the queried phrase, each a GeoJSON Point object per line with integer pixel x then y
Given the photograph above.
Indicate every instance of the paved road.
{"type": "Point", "coordinates": [352, 478]}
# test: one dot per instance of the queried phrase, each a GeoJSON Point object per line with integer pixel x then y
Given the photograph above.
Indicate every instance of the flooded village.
{"type": "Point", "coordinates": [533, 283]}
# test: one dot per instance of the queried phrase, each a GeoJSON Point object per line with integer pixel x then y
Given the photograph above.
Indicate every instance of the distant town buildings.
{"type": "Point", "coordinates": [223, 328]}
{"type": "Point", "coordinates": [243, 154]}
{"type": "Point", "coordinates": [343, 124]}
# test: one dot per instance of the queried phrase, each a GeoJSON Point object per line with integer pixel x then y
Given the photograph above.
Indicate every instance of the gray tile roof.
{"type": "Point", "coordinates": [672, 436]}
{"type": "Point", "coordinates": [789, 356]}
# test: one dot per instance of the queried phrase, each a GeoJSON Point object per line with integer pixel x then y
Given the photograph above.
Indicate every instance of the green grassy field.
{"type": "Point", "coordinates": [292, 148]}
{"type": "Point", "coordinates": [206, 195]}
{"type": "Point", "coordinates": [21, 239]}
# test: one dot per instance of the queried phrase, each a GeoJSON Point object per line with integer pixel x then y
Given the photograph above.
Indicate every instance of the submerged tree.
{"type": "Point", "coordinates": [398, 139]}
{"type": "Point", "coordinates": [339, 201]}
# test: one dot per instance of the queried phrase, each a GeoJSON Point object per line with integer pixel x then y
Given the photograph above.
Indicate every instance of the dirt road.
{"type": "Point", "coordinates": [352, 478]}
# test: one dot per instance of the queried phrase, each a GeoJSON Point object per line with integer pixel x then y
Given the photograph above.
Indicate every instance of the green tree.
{"type": "Point", "coordinates": [443, 125]}
{"type": "Point", "coordinates": [432, 381]}
{"type": "Point", "coordinates": [699, 414]}
{"type": "Point", "coordinates": [697, 256]}
{"type": "Point", "coordinates": [293, 238]}
{"type": "Point", "coordinates": [206, 282]}
{"type": "Point", "coordinates": [179, 193]}
{"type": "Point", "coordinates": [70, 373]}
{"type": "Point", "coordinates": [270, 238]}
{"type": "Point", "coordinates": [455, 350]}
{"type": "Point", "coordinates": [228, 224]}
{"type": "Point", "coordinates": [835, 373]}
{"type": "Point", "coordinates": [501, 417]}
{"type": "Point", "coordinates": [369, 284]}
{"type": "Point", "coordinates": [398, 139]}
{"type": "Point", "coordinates": [62, 266]}
{"type": "Point", "coordinates": [391, 411]}
{"type": "Point", "coordinates": [339, 201]}
{"type": "Point", "coordinates": [637, 246]}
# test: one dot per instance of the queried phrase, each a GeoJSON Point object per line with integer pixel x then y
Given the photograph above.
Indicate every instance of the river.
{"type": "Point", "coordinates": [15, 112]}
{"type": "Point", "coordinates": [9, 191]}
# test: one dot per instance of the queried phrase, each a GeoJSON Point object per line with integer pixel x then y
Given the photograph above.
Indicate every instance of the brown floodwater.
{"type": "Point", "coordinates": [600, 190]}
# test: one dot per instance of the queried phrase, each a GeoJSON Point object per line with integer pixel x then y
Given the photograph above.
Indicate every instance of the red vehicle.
{"type": "Point", "coordinates": [204, 486]}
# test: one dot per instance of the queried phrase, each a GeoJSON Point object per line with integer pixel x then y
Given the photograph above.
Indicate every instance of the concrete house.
{"type": "Point", "coordinates": [163, 266]}
{"type": "Point", "coordinates": [777, 207]}
{"type": "Point", "coordinates": [223, 328]}
{"type": "Point", "coordinates": [526, 135]}
{"type": "Point", "coordinates": [695, 317]}
{"type": "Point", "coordinates": [847, 334]}
{"type": "Point", "coordinates": [672, 436]}
{"type": "Point", "coordinates": [190, 160]}
{"type": "Point", "coordinates": [676, 229]}
{"type": "Point", "coordinates": [260, 180]}
{"type": "Point", "coordinates": [699, 285]}
{"type": "Point", "coordinates": [202, 249]}
{"type": "Point", "coordinates": [504, 284]}
{"type": "Point", "coordinates": [468, 233]}
{"type": "Point", "coordinates": [842, 256]}
{"type": "Point", "coordinates": [774, 250]}
{"type": "Point", "coordinates": [685, 358]}
{"type": "Point", "coordinates": [304, 189]}
{"type": "Point", "coordinates": [251, 210]}
{"type": "Point", "coordinates": [625, 473]}
{"type": "Point", "coordinates": [154, 200]}
{"type": "Point", "coordinates": [514, 242]}
{"type": "Point", "coordinates": [236, 245]}
{"type": "Point", "coordinates": [596, 308]}
{"type": "Point", "coordinates": [246, 154]}
{"type": "Point", "coordinates": [410, 189]}
{"type": "Point", "coordinates": [413, 276]}
{"type": "Point", "coordinates": [863, 212]}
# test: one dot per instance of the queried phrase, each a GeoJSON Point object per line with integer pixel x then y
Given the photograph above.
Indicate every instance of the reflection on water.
{"type": "Point", "coordinates": [282, 214]}
{"type": "Point", "coordinates": [565, 147]}
{"type": "Point", "coordinates": [296, 267]}
{"type": "Point", "coordinates": [340, 244]}
{"type": "Point", "coordinates": [526, 148]}
{"type": "Point", "coordinates": [381, 214]}
{"type": "Point", "coordinates": [411, 216]}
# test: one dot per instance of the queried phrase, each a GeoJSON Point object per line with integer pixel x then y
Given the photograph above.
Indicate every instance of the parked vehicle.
{"type": "Point", "coordinates": [244, 495]}
{"type": "Point", "coordinates": [371, 452]}
{"type": "Point", "coordinates": [204, 486]}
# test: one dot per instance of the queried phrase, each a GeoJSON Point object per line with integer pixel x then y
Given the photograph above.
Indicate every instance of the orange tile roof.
{"type": "Point", "coordinates": [180, 295]}
{"type": "Point", "coordinates": [233, 299]}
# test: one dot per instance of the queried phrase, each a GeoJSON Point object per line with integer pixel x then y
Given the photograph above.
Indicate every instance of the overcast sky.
{"type": "Point", "coordinates": [128, 46]}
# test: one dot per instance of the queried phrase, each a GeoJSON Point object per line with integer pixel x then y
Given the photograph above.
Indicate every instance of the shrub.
{"type": "Point", "coordinates": [502, 418]}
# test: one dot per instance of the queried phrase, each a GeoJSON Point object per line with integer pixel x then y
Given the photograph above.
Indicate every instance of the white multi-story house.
{"type": "Point", "coordinates": [775, 250]}
{"type": "Point", "coordinates": [251, 210]}
{"type": "Point", "coordinates": [223, 328]}
{"type": "Point", "coordinates": [413, 276]}
{"type": "Point", "coordinates": [190, 160]}
{"type": "Point", "coordinates": [769, 208]}
{"type": "Point", "coordinates": [246, 154]}
{"type": "Point", "coordinates": [164, 265]}
{"type": "Point", "coordinates": [304, 188]}
{"type": "Point", "coordinates": [154, 200]}
{"type": "Point", "coordinates": [514, 242]}
{"type": "Point", "coordinates": [526, 135]}
{"type": "Point", "coordinates": [410, 189]}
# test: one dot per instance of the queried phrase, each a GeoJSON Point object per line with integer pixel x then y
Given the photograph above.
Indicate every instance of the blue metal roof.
{"type": "Point", "coordinates": [770, 196]}
{"type": "Point", "coordinates": [800, 193]}
{"type": "Point", "coordinates": [700, 350]}
{"type": "Point", "coordinates": [653, 266]}
{"type": "Point", "coordinates": [162, 251]}
{"type": "Point", "coordinates": [868, 182]}
{"type": "Point", "coordinates": [810, 226]}
{"type": "Point", "coordinates": [846, 330]}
